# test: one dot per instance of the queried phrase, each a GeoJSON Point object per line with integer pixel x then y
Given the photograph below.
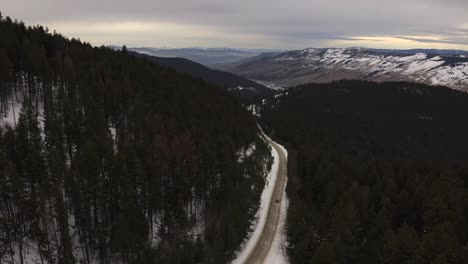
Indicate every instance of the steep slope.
{"type": "Point", "coordinates": [110, 158]}
{"type": "Point", "coordinates": [377, 172]}
{"type": "Point", "coordinates": [448, 68]}
{"type": "Point", "coordinates": [246, 89]}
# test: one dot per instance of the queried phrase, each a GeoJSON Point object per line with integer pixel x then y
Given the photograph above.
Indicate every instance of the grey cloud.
{"type": "Point", "coordinates": [292, 23]}
{"type": "Point", "coordinates": [423, 40]}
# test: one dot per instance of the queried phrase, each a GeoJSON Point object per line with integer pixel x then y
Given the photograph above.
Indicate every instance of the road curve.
{"type": "Point", "coordinates": [261, 249]}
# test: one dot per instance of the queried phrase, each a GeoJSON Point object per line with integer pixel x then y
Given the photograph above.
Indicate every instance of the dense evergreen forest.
{"type": "Point", "coordinates": [378, 172]}
{"type": "Point", "coordinates": [112, 158]}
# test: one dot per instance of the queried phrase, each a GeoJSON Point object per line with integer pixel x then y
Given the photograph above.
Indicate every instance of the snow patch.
{"type": "Point", "coordinates": [241, 88]}
{"type": "Point", "coordinates": [426, 65]}
{"type": "Point", "coordinates": [11, 117]}
{"type": "Point", "coordinates": [254, 109]}
{"type": "Point", "coordinates": [245, 153]}
{"type": "Point", "coordinates": [30, 255]}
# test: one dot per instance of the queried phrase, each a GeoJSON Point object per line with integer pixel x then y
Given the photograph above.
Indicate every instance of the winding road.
{"type": "Point", "coordinates": [260, 251]}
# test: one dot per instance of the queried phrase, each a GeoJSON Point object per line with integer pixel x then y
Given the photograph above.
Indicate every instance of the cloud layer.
{"type": "Point", "coordinates": [254, 23]}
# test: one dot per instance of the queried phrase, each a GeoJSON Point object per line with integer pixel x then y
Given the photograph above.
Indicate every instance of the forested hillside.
{"type": "Point", "coordinates": [109, 158]}
{"type": "Point", "coordinates": [378, 172]}
{"type": "Point", "coordinates": [246, 90]}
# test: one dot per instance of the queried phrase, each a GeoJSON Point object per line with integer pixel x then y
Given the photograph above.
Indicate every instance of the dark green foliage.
{"type": "Point", "coordinates": [114, 157]}
{"type": "Point", "coordinates": [378, 172]}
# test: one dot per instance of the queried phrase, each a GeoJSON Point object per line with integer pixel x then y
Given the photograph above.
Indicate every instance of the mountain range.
{"type": "Point", "coordinates": [211, 57]}
{"type": "Point", "coordinates": [434, 67]}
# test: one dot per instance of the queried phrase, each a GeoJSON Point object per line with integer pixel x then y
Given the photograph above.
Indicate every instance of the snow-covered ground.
{"type": "Point", "coordinates": [448, 70]}
{"type": "Point", "coordinates": [245, 153]}
{"type": "Point", "coordinates": [30, 255]}
{"type": "Point", "coordinates": [277, 254]}
{"type": "Point", "coordinates": [11, 118]}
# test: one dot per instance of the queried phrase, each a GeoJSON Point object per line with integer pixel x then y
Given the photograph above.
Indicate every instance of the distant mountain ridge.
{"type": "Point", "coordinates": [427, 51]}
{"type": "Point", "coordinates": [229, 65]}
{"type": "Point", "coordinates": [206, 56]}
{"type": "Point", "coordinates": [435, 67]}
{"type": "Point", "coordinates": [246, 89]}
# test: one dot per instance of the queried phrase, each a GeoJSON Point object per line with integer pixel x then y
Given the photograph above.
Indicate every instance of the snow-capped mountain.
{"type": "Point", "coordinates": [436, 67]}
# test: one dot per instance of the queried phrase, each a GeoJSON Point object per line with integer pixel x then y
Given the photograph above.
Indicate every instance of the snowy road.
{"type": "Point", "coordinates": [261, 249]}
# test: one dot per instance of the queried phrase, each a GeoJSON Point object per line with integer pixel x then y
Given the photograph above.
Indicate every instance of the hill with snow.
{"type": "Point", "coordinates": [435, 67]}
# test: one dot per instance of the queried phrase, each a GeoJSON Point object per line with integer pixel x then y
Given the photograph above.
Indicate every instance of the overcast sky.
{"type": "Point", "coordinates": [285, 24]}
